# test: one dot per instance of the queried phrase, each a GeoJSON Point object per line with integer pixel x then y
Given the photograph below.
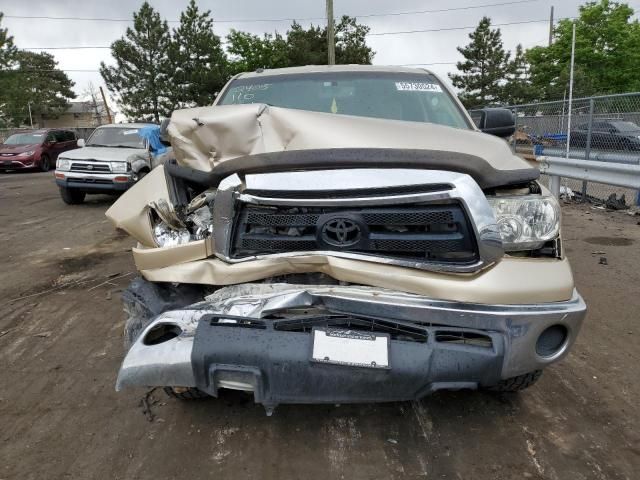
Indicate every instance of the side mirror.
{"type": "Point", "coordinates": [80, 142]}
{"type": "Point", "coordinates": [497, 121]}
{"type": "Point", "coordinates": [164, 134]}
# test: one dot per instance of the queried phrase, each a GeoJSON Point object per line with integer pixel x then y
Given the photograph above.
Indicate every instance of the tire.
{"type": "Point", "coordinates": [141, 175]}
{"type": "Point", "coordinates": [143, 301]}
{"type": "Point", "coordinates": [45, 163]}
{"type": "Point", "coordinates": [516, 384]}
{"type": "Point", "coordinates": [72, 196]}
{"type": "Point", "coordinates": [185, 393]}
{"type": "Point", "coordinates": [138, 318]}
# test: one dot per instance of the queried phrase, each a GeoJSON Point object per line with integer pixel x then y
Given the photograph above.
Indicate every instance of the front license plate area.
{"type": "Point", "coordinates": [350, 347]}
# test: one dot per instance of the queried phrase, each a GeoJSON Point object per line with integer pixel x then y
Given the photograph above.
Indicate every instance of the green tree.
{"type": "Point", "coordinates": [518, 87]}
{"type": "Point", "coordinates": [35, 81]}
{"type": "Point", "coordinates": [351, 42]}
{"type": "Point", "coordinates": [607, 58]}
{"type": "Point", "coordinates": [198, 61]}
{"type": "Point", "coordinates": [307, 46]}
{"type": "Point", "coordinates": [142, 76]}
{"type": "Point", "coordinates": [249, 52]}
{"type": "Point", "coordinates": [7, 49]}
{"type": "Point", "coordinates": [300, 46]}
{"type": "Point", "coordinates": [484, 67]}
{"type": "Point", "coordinates": [7, 61]}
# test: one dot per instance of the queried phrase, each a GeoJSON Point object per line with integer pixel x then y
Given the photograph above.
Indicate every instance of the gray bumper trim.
{"type": "Point", "coordinates": [514, 330]}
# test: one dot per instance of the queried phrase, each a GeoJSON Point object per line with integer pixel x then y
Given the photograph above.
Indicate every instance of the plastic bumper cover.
{"type": "Point", "coordinates": [276, 364]}
{"type": "Point", "coordinates": [96, 183]}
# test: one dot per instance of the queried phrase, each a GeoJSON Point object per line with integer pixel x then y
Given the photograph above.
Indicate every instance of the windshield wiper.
{"type": "Point", "coordinates": [126, 146]}
{"type": "Point", "coordinates": [96, 145]}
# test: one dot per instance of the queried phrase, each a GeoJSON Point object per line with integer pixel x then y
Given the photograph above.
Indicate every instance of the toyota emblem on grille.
{"type": "Point", "coordinates": [89, 167]}
{"type": "Point", "coordinates": [341, 232]}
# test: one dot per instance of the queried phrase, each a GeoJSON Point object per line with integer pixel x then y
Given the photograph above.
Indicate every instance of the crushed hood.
{"type": "Point", "coordinates": [207, 136]}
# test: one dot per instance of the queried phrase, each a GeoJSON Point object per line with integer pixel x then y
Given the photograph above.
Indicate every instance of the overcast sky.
{"type": "Point", "coordinates": [425, 47]}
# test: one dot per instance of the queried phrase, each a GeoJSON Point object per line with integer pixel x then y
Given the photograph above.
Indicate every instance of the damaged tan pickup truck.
{"type": "Point", "coordinates": [343, 234]}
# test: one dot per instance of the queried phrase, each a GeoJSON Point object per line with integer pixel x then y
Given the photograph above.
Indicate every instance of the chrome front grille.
{"type": "Point", "coordinates": [430, 220]}
{"type": "Point", "coordinates": [419, 232]}
{"type": "Point", "coordinates": [91, 167]}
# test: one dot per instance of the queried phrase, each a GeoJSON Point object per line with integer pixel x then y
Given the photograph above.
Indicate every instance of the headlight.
{"type": "Point", "coordinates": [526, 222]}
{"type": "Point", "coordinates": [63, 164]}
{"type": "Point", "coordinates": [165, 236]}
{"type": "Point", "coordinates": [118, 167]}
{"type": "Point", "coordinates": [27, 154]}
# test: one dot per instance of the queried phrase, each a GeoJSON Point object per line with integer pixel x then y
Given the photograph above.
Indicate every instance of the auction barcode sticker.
{"type": "Point", "coordinates": [418, 87]}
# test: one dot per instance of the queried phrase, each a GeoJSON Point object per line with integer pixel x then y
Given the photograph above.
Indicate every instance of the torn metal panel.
{"type": "Point", "coordinates": [512, 281]}
{"type": "Point", "coordinates": [131, 211]}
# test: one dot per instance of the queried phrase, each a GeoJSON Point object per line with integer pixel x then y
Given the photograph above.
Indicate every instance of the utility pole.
{"type": "Point", "coordinates": [106, 106]}
{"type": "Point", "coordinates": [573, 55]}
{"type": "Point", "coordinates": [551, 26]}
{"type": "Point", "coordinates": [30, 117]}
{"type": "Point", "coordinates": [331, 44]}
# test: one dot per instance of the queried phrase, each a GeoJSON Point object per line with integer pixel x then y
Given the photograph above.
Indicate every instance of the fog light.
{"type": "Point", "coordinates": [162, 332]}
{"type": "Point", "coordinates": [551, 340]}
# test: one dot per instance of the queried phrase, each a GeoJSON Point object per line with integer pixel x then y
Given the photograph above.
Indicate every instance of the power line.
{"type": "Point", "coordinates": [431, 30]}
{"type": "Point", "coordinates": [290, 19]}
{"type": "Point", "coordinates": [447, 29]}
{"type": "Point", "coordinates": [440, 10]}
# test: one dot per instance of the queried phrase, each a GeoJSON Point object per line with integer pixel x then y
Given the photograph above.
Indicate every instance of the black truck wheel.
{"type": "Point", "coordinates": [516, 384]}
{"type": "Point", "coordinates": [72, 196]}
{"type": "Point", "coordinates": [143, 301]}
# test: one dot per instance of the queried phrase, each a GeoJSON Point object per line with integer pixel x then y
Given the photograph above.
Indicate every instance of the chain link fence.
{"type": "Point", "coordinates": [603, 128]}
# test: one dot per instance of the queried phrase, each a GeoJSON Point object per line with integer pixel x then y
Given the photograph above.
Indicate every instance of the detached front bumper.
{"type": "Point", "coordinates": [95, 182]}
{"type": "Point", "coordinates": [259, 338]}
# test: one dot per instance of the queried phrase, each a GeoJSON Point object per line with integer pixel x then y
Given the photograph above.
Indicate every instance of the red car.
{"type": "Point", "coordinates": [35, 149]}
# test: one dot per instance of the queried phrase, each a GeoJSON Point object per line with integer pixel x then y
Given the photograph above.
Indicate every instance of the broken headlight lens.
{"type": "Point", "coordinates": [166, 236]}
{"type": "Point", "coordinates": [526, 222]}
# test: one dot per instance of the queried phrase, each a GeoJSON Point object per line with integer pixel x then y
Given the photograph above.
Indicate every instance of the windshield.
{"type": "Point", "coordinates": [413, 97]}
{"type": "Point", "coordinates": [626, 126]}
{"type": "Point", "coordinates": [24, 139]}
{"type": "Point", "coordinates": [124, 137]}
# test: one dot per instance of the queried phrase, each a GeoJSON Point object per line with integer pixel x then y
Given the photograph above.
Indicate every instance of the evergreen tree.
{"type": "Point", "coordinates": [484, 67]}
{"type": "Point", "coordinates": [351, 44]}
{"type": "Point", "coordinates": [199, 63]}
{"type": "Point", "coordinates": [142, 76]}
{"type": "Point", "coordinates": [518, 88]}
{"type": "Point", "coordinates": [306, 46]}
{"type": "Point", "coordinates": [300, 46]}
{"type": "Point", "coordinates": [35, 81]}
{"type": "Point", "coordinates": [7, 48]}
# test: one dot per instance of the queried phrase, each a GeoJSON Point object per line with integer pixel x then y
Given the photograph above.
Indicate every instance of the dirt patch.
{"type": "Point", "coordinates": [84, 262]}
{"type": "Point", "coordinates": [61, 417]}
{"type": "Point", "coordinates": [610, 241]}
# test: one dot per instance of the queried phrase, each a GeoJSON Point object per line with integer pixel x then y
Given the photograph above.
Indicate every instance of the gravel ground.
{"type": "Point", "coordinates": [60, 348]}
